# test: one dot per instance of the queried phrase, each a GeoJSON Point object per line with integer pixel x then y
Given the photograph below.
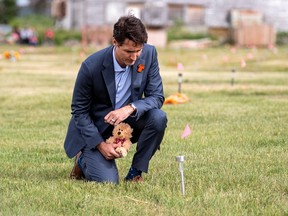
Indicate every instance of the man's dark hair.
{"type": "Point", "coordinates": [130, 27]}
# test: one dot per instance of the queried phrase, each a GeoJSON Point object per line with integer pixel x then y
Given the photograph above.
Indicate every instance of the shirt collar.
{"type": "Point", "coordinates": [117, 67]}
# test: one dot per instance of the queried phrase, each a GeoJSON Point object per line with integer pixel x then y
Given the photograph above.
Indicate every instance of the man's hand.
{"type": "Point", "coordinates": [108, 151]}
{"type": "Point", "coordinates": [115, 117]}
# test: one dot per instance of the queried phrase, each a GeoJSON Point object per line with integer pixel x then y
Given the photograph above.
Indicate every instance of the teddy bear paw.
{"type": "Point", "coordinates": [122, 151]}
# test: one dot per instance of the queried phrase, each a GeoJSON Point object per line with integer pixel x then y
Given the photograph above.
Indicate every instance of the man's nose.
{"type": "Point", "coordinates": [133, 56]}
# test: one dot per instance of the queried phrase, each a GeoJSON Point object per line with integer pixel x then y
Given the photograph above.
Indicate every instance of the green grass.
{"type": "Point", "coordinates": [236, 158]}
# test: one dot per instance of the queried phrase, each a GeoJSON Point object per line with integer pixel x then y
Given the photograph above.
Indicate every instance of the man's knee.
{"type": "Point", "coordinates": [96, 168]}
{"type": "Point", "coordinates": [158, 119]}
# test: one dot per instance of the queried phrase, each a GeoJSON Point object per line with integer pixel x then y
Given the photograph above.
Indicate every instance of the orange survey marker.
{"type": "Point", "coordinates": [177, 98]}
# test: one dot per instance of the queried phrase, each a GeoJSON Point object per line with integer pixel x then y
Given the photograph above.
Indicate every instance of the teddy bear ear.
{"type": "Point", "coordinates": [128, 127]}
{"type": "Point", "coordinates": [116, 127]}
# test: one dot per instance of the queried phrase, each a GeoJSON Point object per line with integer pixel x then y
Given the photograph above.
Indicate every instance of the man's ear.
{"type": "Point", "coordinates": [114, 42]}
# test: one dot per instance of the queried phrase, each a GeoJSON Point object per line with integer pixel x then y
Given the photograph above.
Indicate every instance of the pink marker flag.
{"type": "Point", "coordinates": [243, 63]}
{"type": "Point", "coordinates": [233, 50]}
{"type": "Point", "coordinates": [225, 58]}
{"type": "Point", "coordinates": [180, 66]}
{"type": "Point", "coordinates": [204, 57]}
{"type": "Point", "coordinates": [250, 56]}
{"type": "Point", "coordinates": [186, 132]}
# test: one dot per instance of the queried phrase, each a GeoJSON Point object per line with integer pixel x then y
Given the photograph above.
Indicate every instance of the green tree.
{"type": "Point", "coordinates": [8, 10]}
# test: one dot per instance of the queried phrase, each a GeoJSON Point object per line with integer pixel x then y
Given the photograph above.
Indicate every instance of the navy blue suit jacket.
{"type": "Point", "coordinates": [94, 96]}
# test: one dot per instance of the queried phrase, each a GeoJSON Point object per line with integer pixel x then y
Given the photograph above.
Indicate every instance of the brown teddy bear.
{"type": "Point", "coordinates": [121, 135]}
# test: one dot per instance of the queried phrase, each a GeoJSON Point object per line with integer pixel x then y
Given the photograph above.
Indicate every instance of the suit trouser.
{"type": "Point", "coordinates": [148, 132]}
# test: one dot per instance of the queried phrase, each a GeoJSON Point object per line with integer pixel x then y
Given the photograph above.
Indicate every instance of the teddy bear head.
{"type": "Point", "coordinates": [122, 130]}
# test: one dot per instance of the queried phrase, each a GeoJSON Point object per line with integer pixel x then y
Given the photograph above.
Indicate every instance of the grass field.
{"type": "Point", "coordinates": [236, 157]}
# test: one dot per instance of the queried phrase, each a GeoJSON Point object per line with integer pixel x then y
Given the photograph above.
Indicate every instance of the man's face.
{"type": "Point", "coordinates": [127, 53]}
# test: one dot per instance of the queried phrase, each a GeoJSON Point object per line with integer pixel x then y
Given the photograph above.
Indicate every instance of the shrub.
{"type": "Point", "coordinates": [282, 38]}
{"type": "Point", "coordinates": [38, 22]}
{"type": "Point", "coordinates": [41, 24]}
{"type": "Point", "coordinates": [179, 32]}
{"type": "Point", "coordinates": [61, 36]}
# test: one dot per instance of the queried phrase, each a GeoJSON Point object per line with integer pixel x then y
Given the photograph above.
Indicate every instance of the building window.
{"type": "Point", "coordinates": [195, 15]}
{"type": "Point", "coordinates": [175, 13]}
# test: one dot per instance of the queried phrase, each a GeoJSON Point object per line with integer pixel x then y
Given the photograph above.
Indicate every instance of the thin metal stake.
{"type": "Point", "coordinates": [179, 82]}
{"type": "Point", "coordinates": [180, 160]}
{"type": "Point", "coordinates": [232, 76]}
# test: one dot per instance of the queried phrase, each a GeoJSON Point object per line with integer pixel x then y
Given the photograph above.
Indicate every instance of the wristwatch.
{"type": "Point", "coordinates": [133, 107]}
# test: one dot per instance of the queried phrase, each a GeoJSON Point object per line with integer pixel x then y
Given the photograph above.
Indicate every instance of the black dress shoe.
{"type": "Point", "coordinates": [76, 172]}
{"type": "Point", "coordinates": [134, 175]}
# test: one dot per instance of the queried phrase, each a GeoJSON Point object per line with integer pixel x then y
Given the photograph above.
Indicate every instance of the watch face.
{"type": "Point", "coordinates": [132, 105]}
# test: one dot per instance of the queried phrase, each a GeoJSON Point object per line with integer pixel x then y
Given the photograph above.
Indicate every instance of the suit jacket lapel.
{"type": "Point", "coordinates": [109, 76]}
{"type": "Point", "coordinates": [136, 78]}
